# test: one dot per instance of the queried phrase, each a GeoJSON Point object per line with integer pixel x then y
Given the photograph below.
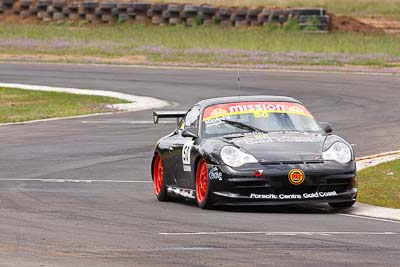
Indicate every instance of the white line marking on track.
{"type": "Point", "coordinates": [368, 218]}
{"type": "Point", "coordinates": [280, 233]}
{"type": "Point", "coordinates": [125, 121]}
{"type": "Point", "coordinates": [70, 180]}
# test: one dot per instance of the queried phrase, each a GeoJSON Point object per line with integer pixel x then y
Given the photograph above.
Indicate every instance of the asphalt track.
{"type": "Point", "coordinates": [76, 192]}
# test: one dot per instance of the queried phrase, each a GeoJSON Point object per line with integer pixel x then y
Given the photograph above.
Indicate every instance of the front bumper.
{"type": "Point", "coordinates": [324, 182]}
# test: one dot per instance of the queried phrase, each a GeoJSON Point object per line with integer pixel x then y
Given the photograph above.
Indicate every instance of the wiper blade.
{"type": "Point", "coordinates": [244, 126]}
{"type": "Point", "coordinates": [233, 136]}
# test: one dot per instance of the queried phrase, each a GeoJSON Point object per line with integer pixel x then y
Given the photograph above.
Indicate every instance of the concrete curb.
{"type": "Point", "coordinates": [361, 209]}
{"type": "Point", "coordinates": [366, 210]}
{"type": "Point", "coordinates": [137, 102]}
{"type": "Point", "coordinates": [373, 160]}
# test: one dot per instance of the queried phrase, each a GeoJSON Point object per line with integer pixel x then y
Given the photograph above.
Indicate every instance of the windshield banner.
{"type": "Point", "coordinates": [259, 109]}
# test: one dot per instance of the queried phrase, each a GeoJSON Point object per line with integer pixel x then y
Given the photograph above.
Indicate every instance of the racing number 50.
{"type": "Point", "coordinates": [186, 152]}
{"type": "Point", "coordinates": [261, 114]}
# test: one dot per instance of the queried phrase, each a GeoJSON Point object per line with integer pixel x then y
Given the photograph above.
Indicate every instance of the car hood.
{"type": "Point", "coordinates": [281, 146]}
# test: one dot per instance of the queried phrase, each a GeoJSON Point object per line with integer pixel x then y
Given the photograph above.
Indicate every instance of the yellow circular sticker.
{"type": "Point", "coordinates": [296, 177]}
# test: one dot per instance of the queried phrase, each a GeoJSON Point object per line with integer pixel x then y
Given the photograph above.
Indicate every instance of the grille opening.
{"type": "Point", "coordinates": [338, 181]}
{"type": "Point", "coordinates": [251, 184]}
{"type": "Point", "coordinates": [338, 188]}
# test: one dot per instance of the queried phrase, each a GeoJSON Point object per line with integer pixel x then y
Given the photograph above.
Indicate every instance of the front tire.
{"type": "Point", "coordinates": [158, 179]}
{"type": "Point", "coordinates": [342, 205]}
{"type": "Point", "coordinates": [203, 192]}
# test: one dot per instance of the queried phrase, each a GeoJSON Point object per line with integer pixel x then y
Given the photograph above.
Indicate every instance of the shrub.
{"type": "Point", "coordinates": [312, 24]}
{"type": "Point", "coordinates": [272, 26]}
{"type": "Point", "coordinates": [215, 20]}
{"type": "Point", "coordinates": [291, 25]}
{"type": "Point", "coordinates": [197, 21]}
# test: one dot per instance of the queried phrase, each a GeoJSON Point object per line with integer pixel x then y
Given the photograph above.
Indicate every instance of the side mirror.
{"type": "Point", "coordinates": [190, 132]}
{"type": "Point", "coordinates": [326, 127]}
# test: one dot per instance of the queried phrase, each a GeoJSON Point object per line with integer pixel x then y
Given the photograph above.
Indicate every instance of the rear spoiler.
{"type": "Point", "coordinates": [168, 115]}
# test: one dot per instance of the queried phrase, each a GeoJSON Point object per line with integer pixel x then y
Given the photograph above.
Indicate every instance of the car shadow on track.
{"type": "Point", "coordinates": [284, 209]}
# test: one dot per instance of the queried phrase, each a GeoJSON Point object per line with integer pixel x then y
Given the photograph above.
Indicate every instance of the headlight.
{"type": "Point", "coordinates": [234, 157]}
{"type": "Point", "coordinates": [338, 152]}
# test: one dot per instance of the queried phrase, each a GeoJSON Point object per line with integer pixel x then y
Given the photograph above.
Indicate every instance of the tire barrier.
{"type": "Point", "coordinates": [303, 16]}
{"type": "Point", "coordinates": [7, 7]}
{"type": "Point", "coordinates": [88, 11]}
{"type": "Point", "coordinates": [162, 13]}
{"type": "Point", "coordinates": [252, 16]}
{"type": "Point", "coordinates": [155, 13]}
{"type": "Point", "coordinates": [223, 16]}
{"type": "Point", "coordinates": [190, 15]}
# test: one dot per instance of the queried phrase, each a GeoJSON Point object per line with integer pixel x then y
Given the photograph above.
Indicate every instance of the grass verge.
{"type": "Point", "coordinates": [143, 44]}
{"type": "Point", "coordinates": [18, 105]}
{"type": "Point", "coordinates": [380, 185]}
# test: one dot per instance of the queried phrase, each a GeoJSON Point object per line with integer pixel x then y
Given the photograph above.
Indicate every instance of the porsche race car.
{"type": "Point", "coordinates": [252, 150]}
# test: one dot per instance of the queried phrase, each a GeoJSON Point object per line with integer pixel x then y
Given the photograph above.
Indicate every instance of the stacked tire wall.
{"type": "Point", "coordinates": [159, 13]}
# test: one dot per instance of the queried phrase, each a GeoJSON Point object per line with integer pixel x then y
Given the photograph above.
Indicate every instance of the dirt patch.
{"type": "Point", "coordinates": [387, 25]}
{"type": "Point", "coordinates": [18, 19]}
{"type": "Point", "coordinates": [345, 23]}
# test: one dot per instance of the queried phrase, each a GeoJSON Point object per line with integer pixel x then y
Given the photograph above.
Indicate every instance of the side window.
{"type": "Point", "coordinates": [192, 117]}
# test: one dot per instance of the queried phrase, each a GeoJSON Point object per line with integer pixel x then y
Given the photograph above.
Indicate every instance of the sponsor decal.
{"type": "Point", "coordinates": [189, 193]}
{"type": "Point", "coordinates": [294, 196]}
{"type": "Point", "coordinates": [218, 111]}
{"type": "Point", "coordinates": [258, 173]}
{"type": "Point", "coordinates": [295, 109]}
{"type": "Point", "coordinates": [296, 177]}
{"type": "Point", "coordinates": [257, 139]}
{"type": "Point", "coordinates": [214, 174]}
{"type": "Point", "coordinates": [216, 121]}
{"type": "Point", "coordinates": [251, 106]}
{"type": "Point", "coordinates": [187, 147]}
{"type": "Point", "coordinates": [187, 168]}
{"type": "Point", "coordinates": [259, 109]}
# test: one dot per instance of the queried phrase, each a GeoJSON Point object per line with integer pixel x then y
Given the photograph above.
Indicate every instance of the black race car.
{"type": "Point", "coordinates": [253, 150]}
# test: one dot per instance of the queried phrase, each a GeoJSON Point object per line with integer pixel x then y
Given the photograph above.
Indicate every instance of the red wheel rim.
{"type": "Point", "coordinates": [201, 181]}
{"type": "Point", "coordinates": [158, 173]}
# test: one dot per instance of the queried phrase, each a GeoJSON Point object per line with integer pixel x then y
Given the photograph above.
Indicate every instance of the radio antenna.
{"type": "Point", "coordinates": [238, 73]}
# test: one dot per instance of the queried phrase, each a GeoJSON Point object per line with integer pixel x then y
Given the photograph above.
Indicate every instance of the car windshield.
{"type": "Point", "coordinates": [242, 117]}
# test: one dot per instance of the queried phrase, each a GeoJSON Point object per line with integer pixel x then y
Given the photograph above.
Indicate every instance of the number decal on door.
{"type": "Point", "coordinates": [186, 152]}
